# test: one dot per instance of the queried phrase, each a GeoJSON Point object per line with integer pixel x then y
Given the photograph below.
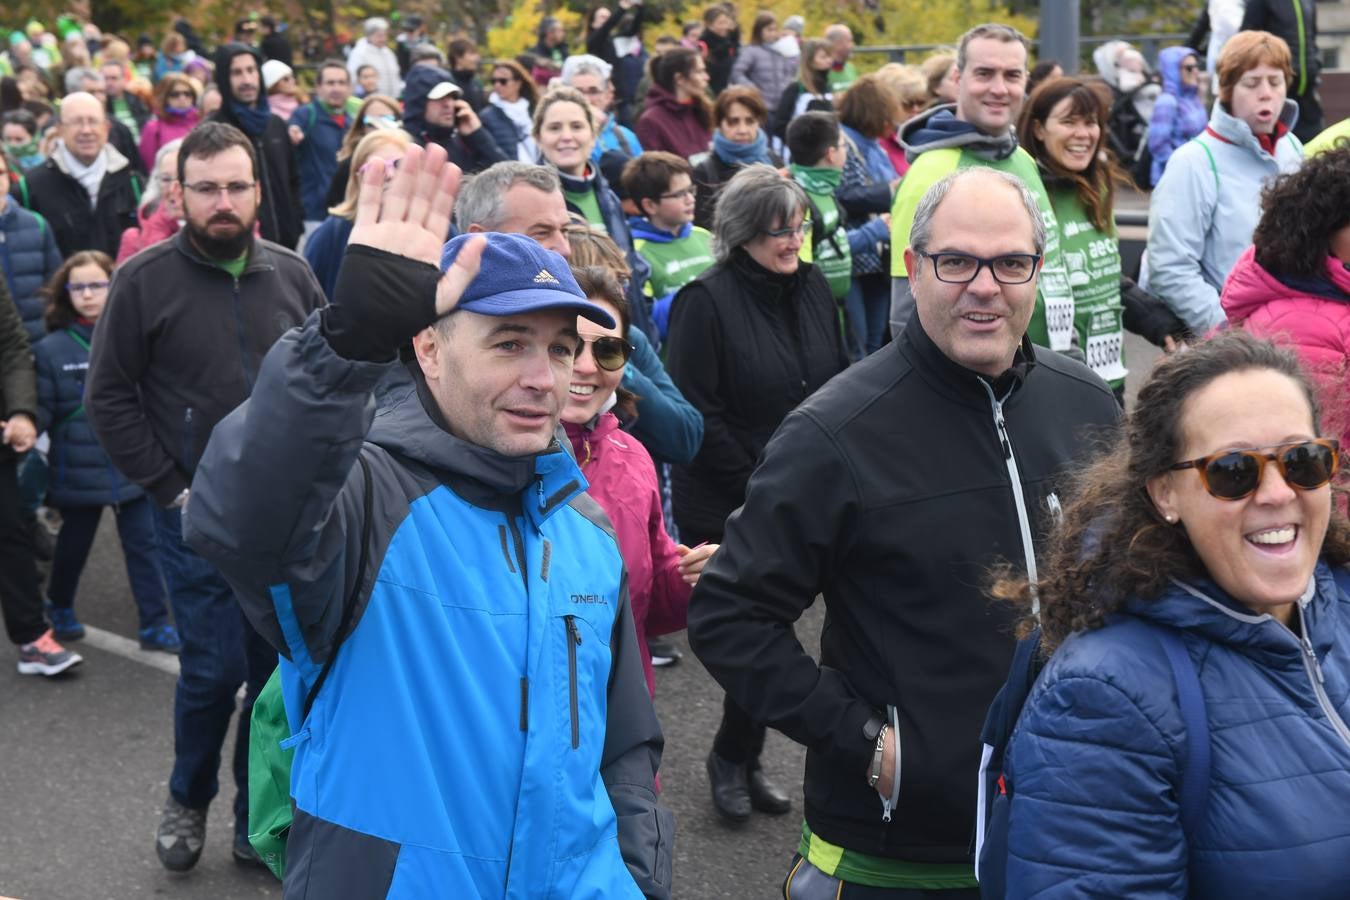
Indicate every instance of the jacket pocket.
{"type": "Point", "coordinates": [573, 642]}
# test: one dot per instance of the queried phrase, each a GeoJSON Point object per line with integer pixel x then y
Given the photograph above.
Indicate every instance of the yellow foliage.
{"type": "Point", "coordinates": [519, 31]}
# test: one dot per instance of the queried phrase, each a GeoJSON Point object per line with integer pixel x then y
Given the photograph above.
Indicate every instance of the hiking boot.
{"type": "Point", "coordinates": [46, 657]}
{"type": "Point", "coordinates": [245, 855]}
{"type": "Point", "coordinates": [64, 624]}
{"type": "Point", "coordinates": [730, 792]}
{"type": "Point", "coordinates": [181, 836]}
{"type": "Point", "coordinates": [163, 638]}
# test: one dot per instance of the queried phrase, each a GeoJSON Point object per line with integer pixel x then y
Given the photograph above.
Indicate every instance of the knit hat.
{"type": "Point", "coordinates": [273, 71]}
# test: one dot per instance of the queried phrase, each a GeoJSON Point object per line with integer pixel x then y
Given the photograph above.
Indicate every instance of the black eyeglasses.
{"type": "Point", "coordinates": [680, 195]}
{"type": "Point", "coordinates": [609, 353]}
{"type": "Point", "coordinates": [496, 80]}
{"type": "Point", "coordinates": [962, 268]}
{"type": "Point", "coordinates": [1235, 474]}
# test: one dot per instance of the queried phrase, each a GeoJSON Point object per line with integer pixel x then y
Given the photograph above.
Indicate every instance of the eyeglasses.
{"type": "Point", "coordinates": [790, 231]}
{"type": "Point", "coordinates": [188, 94]}
{"type": "Point", "coordinates": [679, 195]}
{"type": "Point", "coordinates": [609, 353]}
{"type": "Point", "coordinates": [81, 124]}
{"type": "Point", "coordinates": [165, 180]}
{"type": "Point", "coordinates": [496, 80]}
{"type": "Point", "coordinates": [76, 288]}
{"type": "Point", "coordinates": [962, 268]}
{"type": "Point", "coordinates": [209, 189]}
{"type": "Point", "coordinates": [1235, 474]}
{"type": "Point", "coordinates": [593, 91]}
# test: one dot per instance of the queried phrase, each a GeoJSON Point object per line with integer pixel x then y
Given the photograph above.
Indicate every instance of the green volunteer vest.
{"type": "Point", "coordinates": [589, 206]}
{"type": "Point", "coordinates": [1092, 263]}
{"type": "Point", "coordinates": [1052, 320]}
{"type": "Point", "coordinates": [843, 79]}
{"type": "Point", "coordinates": [676, 263]}
{"type": "Point", "coordinates": [831, 252]}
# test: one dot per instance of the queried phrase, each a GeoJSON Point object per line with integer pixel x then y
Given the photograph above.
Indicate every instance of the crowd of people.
{"type": "Point", "coordinates": [523, 364]}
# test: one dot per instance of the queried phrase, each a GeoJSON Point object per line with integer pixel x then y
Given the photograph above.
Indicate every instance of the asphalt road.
{"type": "Point", "coordinates": [84, 765]}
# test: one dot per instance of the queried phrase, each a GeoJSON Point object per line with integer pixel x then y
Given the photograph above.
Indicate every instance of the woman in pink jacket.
{"type": "Point", "coordinates": [620, 472]}
{"type": "Point", "coordinates": [175, 115]}
{"type": "Point", "coordinates": [1293, 284]}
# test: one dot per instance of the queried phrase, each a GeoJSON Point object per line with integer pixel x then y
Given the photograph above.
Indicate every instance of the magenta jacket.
{"type": "Point", "coordinates": [162, 130]}
{"type": "Point", "coordinates": [1316, 326]}
{"type": "Point", "coordinates": [667, 124]}
{"type": "Point", "coordinates": [156, 227]}
{"type": "Point", "coordinates": [622, 480]}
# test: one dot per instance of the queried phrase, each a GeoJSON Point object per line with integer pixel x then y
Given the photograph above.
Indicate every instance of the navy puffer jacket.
{"type": "Point", "coordinates": [81, 474]}
{"type": "Point", "coordinates": [28, 257]}
{"type": "Point", "coordinates": [1098, 752]}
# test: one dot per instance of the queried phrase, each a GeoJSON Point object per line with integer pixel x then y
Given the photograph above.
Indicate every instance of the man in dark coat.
{"type": "Point", "coordinates": [244, 105]}
{"type": "Point", "coordinates": [435, 112]}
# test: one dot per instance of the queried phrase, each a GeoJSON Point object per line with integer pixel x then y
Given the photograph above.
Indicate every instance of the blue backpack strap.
{"type": "Point", "coordinates": [1194, 792]}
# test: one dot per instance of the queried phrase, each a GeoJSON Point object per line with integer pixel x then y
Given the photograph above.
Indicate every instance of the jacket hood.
{"type": "Point", "coordinates": [1251, 286]}
{"type": "Point", "coordinates": [1237, 131]}
{"type": "Point", "coordinates": [224, 55]}
{"type": "Point", "coordinates": [659, 96]}
{"type": "Point", "coordinates": [643, 229]}
{"type": "Point", "coordinates": [939, 128]}
{"type": "Point", "coordinates": [1104, 58]}
{"type": "Point", "coordinates": [421, 79]}
{"type": "Point", "coordinates": [1169, 66]}
{"type": "Point", "coordinates": [1202, 608]}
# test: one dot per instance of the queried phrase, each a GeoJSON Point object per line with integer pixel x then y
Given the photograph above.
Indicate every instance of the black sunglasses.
{"type": "Point", "coordinates": [1235, 474]}
{"type": "Point", "coordinates": [497, 80]}
{"type": "Point", "coordinates": [610, 353]}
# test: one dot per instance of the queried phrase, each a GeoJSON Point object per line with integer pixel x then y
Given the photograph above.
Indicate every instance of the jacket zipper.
{"type": "Point", "coordinates": [1024, 523]}
{"type": "Point", "coordinates": [243, 336]}
{"type": "Point", "coordinates": [1314, 669]}
{"type": "Point", "coordinates": [573, 642]}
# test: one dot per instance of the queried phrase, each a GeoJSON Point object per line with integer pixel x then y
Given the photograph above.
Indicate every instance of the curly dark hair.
{"type": "Point", "coordinates": [1112, 544]}
{"type": "Point", "coordinates": [1299, 213]}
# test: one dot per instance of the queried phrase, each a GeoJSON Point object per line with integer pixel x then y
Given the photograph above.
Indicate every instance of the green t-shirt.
{"type": "Point", "coordinates": [675, 263]}
{"type": "Point", "coordinates": [841, 79]}
{"type": "Point", "coordinates": [586, 202]}
{"type": "Point", "coordinates": [1052, 320]}
{"type": "Point", "coordinates": [1092, 261]}
{"type": "Point", "coordinates": [122, 113]}
{"type": "Point", "coordinates": [831, 252]}
{"type": "Point", "coordinates": [852, 867]}
{"type": "Point", "coordinates": [234, 266]}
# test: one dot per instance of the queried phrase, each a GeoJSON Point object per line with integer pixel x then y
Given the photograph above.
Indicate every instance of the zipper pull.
{"type": "Point", "coordinates": [1312, 655]}
{"type": "Point", "coordinates": [1002, 431]}
{"type": "Point", "coordinates": [572, 629]}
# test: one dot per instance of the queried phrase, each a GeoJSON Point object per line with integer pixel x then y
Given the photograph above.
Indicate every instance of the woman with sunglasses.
{"type": "Point", "coordinates": [1188, 735]}
{"type": "Point", "coordinates": [509, 113]}
{"type": "Point", "coordinates": [1293, 284]}
{"type": "Point", "coordinates": [81, 479]}
{"type": "Point", "coordinates": [620, 471]}
{"type": "Point", "coordinates": [1178, 114]}
{"type": "Point", "coordinates": [175, 115]}
{"type": "Point", "coordinates": [376, 111]}
{"type": "Point", "coordinates": [750, 338]}
{"type": "Point", "coordinates": [327, 246]}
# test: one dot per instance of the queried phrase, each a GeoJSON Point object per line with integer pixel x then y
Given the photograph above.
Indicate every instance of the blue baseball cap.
{"type": "Point", "coordinates": [519, 276]}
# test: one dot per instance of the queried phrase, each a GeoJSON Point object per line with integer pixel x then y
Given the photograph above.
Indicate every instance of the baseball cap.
{"type": "Point", "coordinates": [273, 71]}
{"type": "Point", "coordinates": [444, 88]}
{"type": "Point", "coordinates": [518, 276]}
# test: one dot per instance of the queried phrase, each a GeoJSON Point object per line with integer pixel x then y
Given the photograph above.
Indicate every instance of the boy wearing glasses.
{"type": "Point", "coordinates": [662, 186]}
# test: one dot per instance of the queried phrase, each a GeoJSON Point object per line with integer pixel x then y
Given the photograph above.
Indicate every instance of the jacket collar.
{"type": "Point", "coordinates": [116, 161]}
{"type": "Point", "coordinates": [410, 425]}
{"type": "Point", "coordinates": [1232, 130]}
{"type": "Point", "coordinates": [259, 257]}
{"type": "Point", "coordinates": [1201, 607]}
{"type": "Point", "coordinates": [955, 381]}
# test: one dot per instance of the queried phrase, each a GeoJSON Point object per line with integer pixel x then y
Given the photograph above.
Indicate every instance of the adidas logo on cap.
{"type": "Point", "coordinates": [545, 277]}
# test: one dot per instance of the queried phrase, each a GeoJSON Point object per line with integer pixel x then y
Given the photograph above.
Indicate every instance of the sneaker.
{"type": "Point", "coordinates": [245, 855]}
{"type": "Point", "coordinates": [664, 652]}
{"type": "Point", "coordinates": [46, 657]}
{"type": "Point", "coordinates": [181, 836]}
{"type": "Point", "coordinates": [64, 624]}
{"type": "Point", "coordinates": [163, 638]}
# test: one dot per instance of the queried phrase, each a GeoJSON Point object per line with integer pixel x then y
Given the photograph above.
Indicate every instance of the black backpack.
{"type": "Point", "coordinates": [996, 788]}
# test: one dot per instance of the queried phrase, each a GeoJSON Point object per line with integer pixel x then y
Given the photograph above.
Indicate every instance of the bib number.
{"type": "Point", "coordinates": [1104, 355]}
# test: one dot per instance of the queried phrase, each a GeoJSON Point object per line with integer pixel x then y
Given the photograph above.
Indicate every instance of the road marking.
{"type": "Point", "coordinates": [129, 649]}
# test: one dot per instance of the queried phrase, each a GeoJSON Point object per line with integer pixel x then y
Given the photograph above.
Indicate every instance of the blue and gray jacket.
{"type": "Point", "coordinates": [486, 728]}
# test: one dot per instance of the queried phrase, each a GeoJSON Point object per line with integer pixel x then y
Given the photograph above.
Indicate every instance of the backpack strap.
{"type": "Point", "coordinates": [1212, 166]}
{"type": "Point", "coordinates": [1194, 792]}
{"type": "Point", "coordinates": [349, 607]}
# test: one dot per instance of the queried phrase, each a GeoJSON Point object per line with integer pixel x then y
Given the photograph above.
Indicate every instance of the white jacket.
{"type": "Point", "coordinates": [385, 62]}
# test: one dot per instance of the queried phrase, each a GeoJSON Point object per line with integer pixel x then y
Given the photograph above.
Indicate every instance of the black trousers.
{"type": "Point", "coordinates": [20, 590]}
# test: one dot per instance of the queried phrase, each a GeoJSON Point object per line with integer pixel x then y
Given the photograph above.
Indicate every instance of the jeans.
{"type": "Point", "coordinates": [867, 308]}
{"type": "Point", "coordinates": [220, 652]}
{"type": "Point", "coordinates": [20, 591]}
{"type": "Point", "coordinates": [136, 528]}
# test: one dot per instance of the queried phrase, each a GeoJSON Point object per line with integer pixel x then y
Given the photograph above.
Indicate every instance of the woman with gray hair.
{"type": "Point", "coordinates": [750, 338]}
{"type": "Point", "coordinates": [160, 213]}
{"type": "Point", "coordinates": [374, 50]}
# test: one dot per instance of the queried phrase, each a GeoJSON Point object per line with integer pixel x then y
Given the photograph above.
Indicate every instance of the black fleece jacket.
{"type": "Point", "coordinates": [889, 493]}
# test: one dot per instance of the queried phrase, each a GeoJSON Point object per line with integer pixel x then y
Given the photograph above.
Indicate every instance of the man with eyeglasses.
{"type": "Point", "coordinates": [87, 190]}
{"type": "Point", "coordinates": [180, 342]}
{"type": "Point", "coordinates": [317, 130]}
{"type": "Point", "coordinates": [893, 492]}
{"type": "Point", "coordinates": [991, 71]}
{"type": "Point", "coordinates": [121, 136]}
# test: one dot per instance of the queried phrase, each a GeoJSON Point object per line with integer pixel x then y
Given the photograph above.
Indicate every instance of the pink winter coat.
{"type": "Point", "coordinates": [1316, 327]}
{"type": "Point", "coordinates": [156, 227]}
{"type": "Point", "coordinates": [623, 481]}
{"type": "Point", "coordinates": [164, 129]}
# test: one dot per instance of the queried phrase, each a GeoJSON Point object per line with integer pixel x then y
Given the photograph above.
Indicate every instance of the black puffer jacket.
{"type": "Point", "coordinates": [710, 175]}
{"type": "Point", "coordinates": [280, 212]}
{"type": "Point", "coordinates": [745, 347]}
{"type": "Point", "coordinates": [54, 194]}
{"type": "Point", "coordinates": [891, 492]}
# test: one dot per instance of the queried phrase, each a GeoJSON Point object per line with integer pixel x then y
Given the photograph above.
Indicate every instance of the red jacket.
{"type": "Point", "coordinates": [1316, 327]}
{"type": "Point", "coordinates": [623, 481]}
{"type": "Point", "coordinates": [667, 124]}
{"type": "Point", "coordinates": [156, 227]}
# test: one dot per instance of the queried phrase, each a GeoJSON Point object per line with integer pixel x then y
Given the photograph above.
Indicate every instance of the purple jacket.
{"type": "Point", "coordinates": [1178, 114]}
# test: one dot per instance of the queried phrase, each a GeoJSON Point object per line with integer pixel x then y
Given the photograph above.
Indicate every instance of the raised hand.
{"type": "Point", "coordinates": [412, 216]}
